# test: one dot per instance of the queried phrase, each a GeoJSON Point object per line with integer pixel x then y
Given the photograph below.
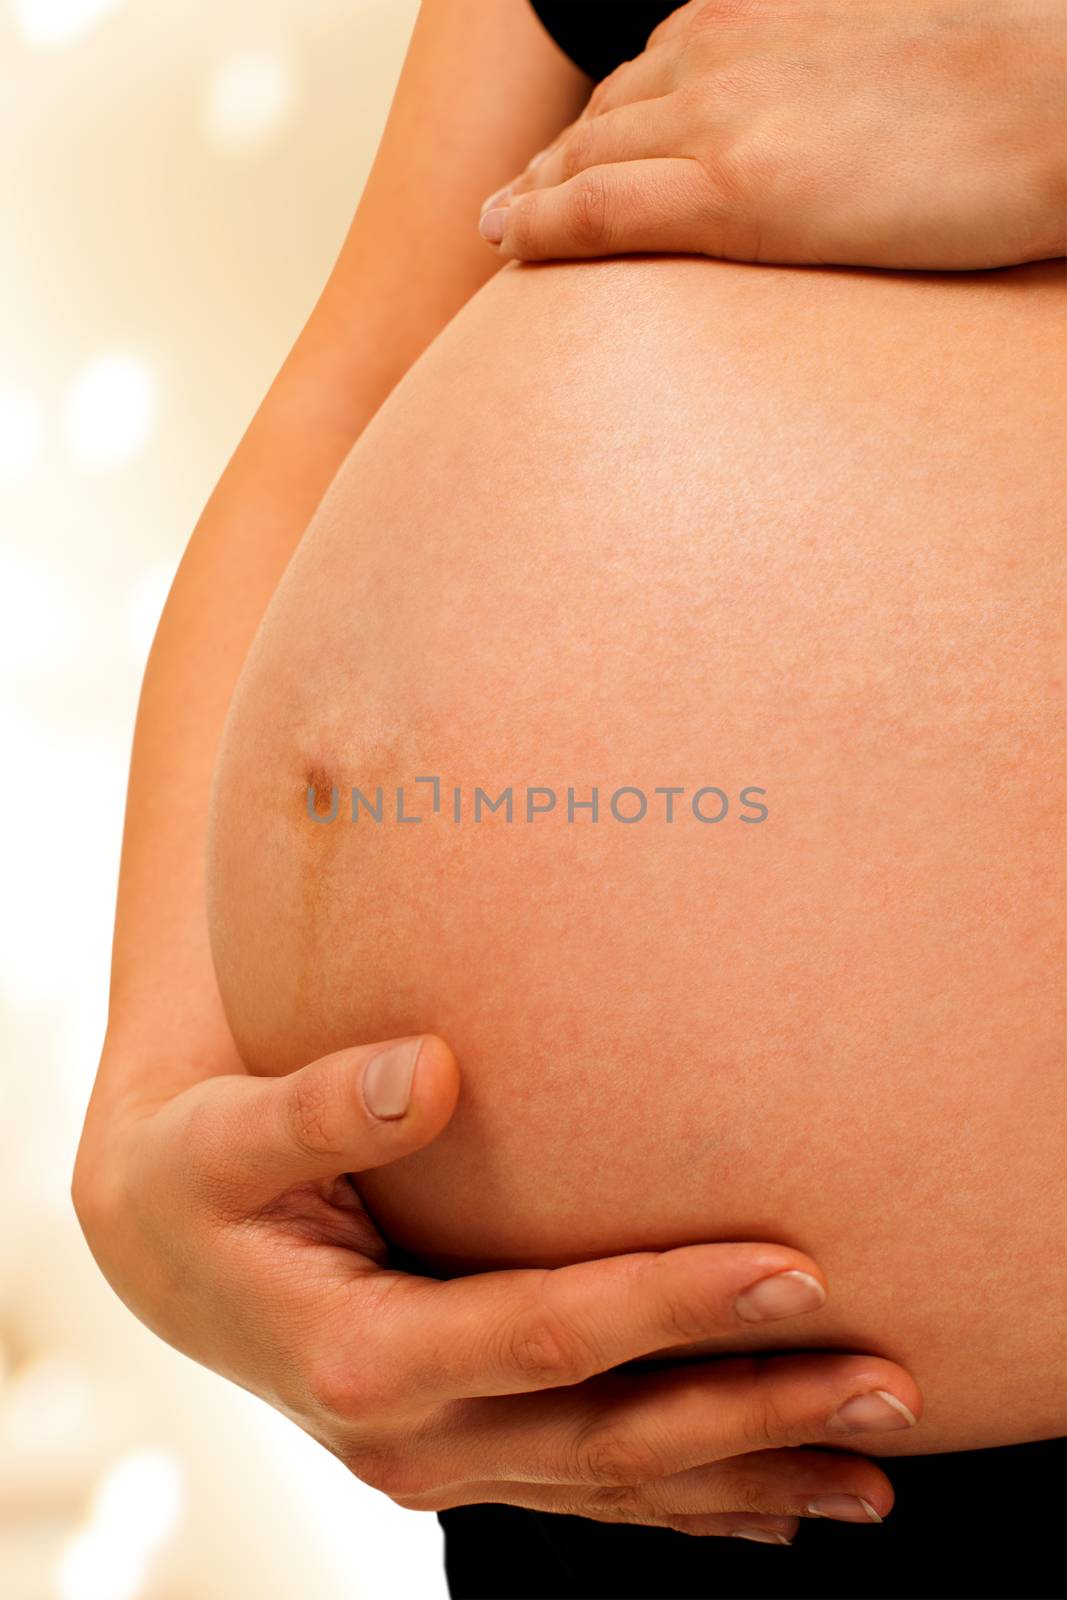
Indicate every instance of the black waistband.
{"type": "Point", "coordinates": [599, 34]}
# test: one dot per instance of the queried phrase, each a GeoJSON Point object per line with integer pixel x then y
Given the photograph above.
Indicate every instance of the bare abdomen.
{"type": "Point", "coordinates": [641, 526]}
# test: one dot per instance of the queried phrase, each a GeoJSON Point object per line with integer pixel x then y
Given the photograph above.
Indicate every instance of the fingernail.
{"type": "Point", "coordinates": [876, 1412]}
{"type": "Point", "coordinates": [538, 158]}
{"type": "Point", "coordinates": [387, 1079]}
{"type": "Point", "coordinates": [496, 199]}
{"type": "Point", "coordinates": [761, 1536]}
{"type": "Point", "coordinates": [845, 1507]}
{"type": "Point", "coordinates": [491, 226]}
{"type": "Point", "coordinates": [785, 1294]}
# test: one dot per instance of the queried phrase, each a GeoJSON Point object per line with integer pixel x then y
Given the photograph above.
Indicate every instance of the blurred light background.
{"type": "Point", "coordinates": [176, 181]}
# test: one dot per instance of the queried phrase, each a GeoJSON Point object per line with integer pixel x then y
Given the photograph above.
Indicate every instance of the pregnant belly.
{"type": "Point", "coordinates": [762, 561]}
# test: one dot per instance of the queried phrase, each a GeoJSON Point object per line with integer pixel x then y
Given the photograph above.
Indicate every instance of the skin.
{"type": "Point", "coordinates": [799, 529]}
{"type": "Point", "coordinates": [211, 1203]}
{"type": "Point", "coordinates": [257, 1258]}
{"type": "Point", "coordinates": [739, 132]}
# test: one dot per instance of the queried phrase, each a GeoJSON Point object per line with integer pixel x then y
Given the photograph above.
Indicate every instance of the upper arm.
{"type": "Point", "coordinates": [481, 89]}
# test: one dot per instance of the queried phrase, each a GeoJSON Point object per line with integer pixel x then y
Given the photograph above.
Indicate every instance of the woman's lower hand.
{"type": "Point", "coordinates": [225, 1219]}
{"type": "Point", "coordinates": [919, 134]}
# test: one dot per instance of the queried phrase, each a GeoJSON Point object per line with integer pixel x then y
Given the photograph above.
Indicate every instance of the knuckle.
{"type": "Point", "coordinates": [387, 1468]}
{"type": "Point", "coordinates": [609, 1457]}
{"type": "Point", "coordinates": [620, 1502]}
{"type": "Point", "coordinates": [734, 184]}
{"type": "Point", "coordinates": [685, 1321]}
{"type": "Point", "coordinates": [571, 1504]}
{"type": "Point", "coordinates": [605, 89]}
{"type": "Point", "coordinates": [313, 1114]}
{"type": "Point", "coordinates": [587, 223]}
{"type": "Point", "coordinates": [736, 1491]}
{"type": "Point", "coordinates": [403, 1463]}
{"type": "Point", "coordinates": [524, 224]}
{"type": "Point", "coordinates": [577, 152]}
{"type": "Point", "coordinates": [758, 1430]}
{"type": "Point", "coordinates": [749, 166]}
{"type": "Point", "coordinates": [769, 1423]}
{"type": "Point", "coordinates": [540, 1351]}
{"type": "Point", "coordinates": [669, 28]}
{"type": "Point", "coordinates": [340, 1392]}
{"type": "Point", "coordinates": [724, 181]}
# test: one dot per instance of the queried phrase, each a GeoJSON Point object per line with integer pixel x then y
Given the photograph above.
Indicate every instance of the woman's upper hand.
{"type": "Point", "coordinates": [918, 134]}
{"type": "Point", "coordinates": [225, 1220]}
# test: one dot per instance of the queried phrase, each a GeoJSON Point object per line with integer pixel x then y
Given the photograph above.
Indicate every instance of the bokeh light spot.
{"type": "Point", "coordinates": [249, 98]}
{"type": "Point", "coordinates": [136, 1507]}
{"type": "Point", "coordinates": [50, 22]}
{"type": "Point", "coordinates": [110, 408]}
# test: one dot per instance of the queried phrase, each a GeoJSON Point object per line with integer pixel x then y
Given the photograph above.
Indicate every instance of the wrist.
{"type": "Point", "coordinates": [122, 1096]}
{"type": "Point", "coordinates": [94, 1184]}
{"type": "Point", "coordinates": [141, 1068]}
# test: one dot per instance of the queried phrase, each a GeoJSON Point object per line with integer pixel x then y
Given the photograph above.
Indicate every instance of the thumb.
{"type": "Point", "coordinates": [347, 1112]}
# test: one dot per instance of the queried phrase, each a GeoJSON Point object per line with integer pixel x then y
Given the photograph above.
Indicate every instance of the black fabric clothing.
{"type": "Point", "coordinates": [600, 34]}
{"type": "Point", "coordinates": [970, 1525]}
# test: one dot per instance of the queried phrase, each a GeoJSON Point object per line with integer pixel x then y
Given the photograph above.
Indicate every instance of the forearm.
{"type": "Point", "coordinates": [166, 1027]}
{"type": "Point", "coordinates": [403, 271]}
{"type": "Point", "coordinates": [166, 1024]}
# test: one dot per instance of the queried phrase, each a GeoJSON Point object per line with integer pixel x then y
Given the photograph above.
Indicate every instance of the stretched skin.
{"type": "Point", "coordinates": [681, 522]}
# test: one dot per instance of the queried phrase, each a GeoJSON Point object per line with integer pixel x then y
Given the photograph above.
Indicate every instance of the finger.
{"type": "Point", "coordinates": [512, 1332]}
{"type": "Point", "coordinates": [762, 1530]}
{"type": "Point", "coordinates": [625, 208]}
{"type": "Point", "coordinates": [712, 1411]}
{"type": "Point", "coordinates": [778, 1485]}
{"type": "Point", "coordinates": [347, 1112]}
{"type": "Point", "coordinates": [627, 1428]}
{"type": "Point", "coordinates": [769, 1531]}
{"type": "Point", "coordinates": [638, 132]}
{"type": "Point", "coordinates": [614, 1506]}
{"type": "Point", "coordinates": [639, 81]}
{"type": "Point", "coordinates": [501, 196]}
{"type": "Point", "coordinates": [645, 77]}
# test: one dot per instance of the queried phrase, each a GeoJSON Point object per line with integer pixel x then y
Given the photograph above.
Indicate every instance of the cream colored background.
{"type": "Point", "coordinates": [176, 179]}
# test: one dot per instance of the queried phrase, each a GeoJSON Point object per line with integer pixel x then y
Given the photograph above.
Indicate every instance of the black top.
{"type": "Point", "coordinates": [600, 34]}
